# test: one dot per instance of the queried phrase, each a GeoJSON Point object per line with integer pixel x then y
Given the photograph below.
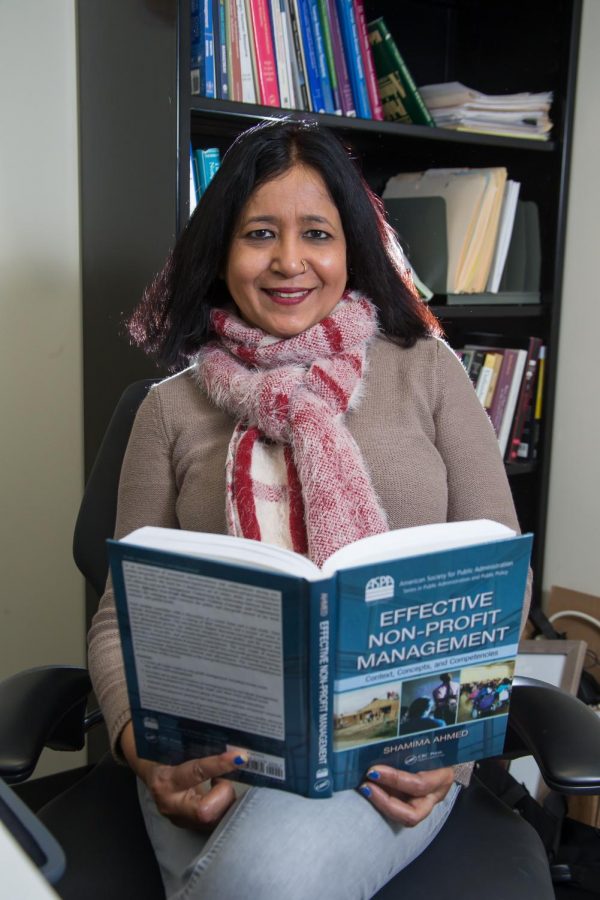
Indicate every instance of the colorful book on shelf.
{"type": "Point", "coordinates": [301, 87]}
{"type": "Point", "coordinates": [525, 401]}
{"type": "Point", "coordinates": [264, 53]}
{"type": "Point", "coordinates": [528, 448]}
{"type": "Point", "coordinates": [196, 48]}
{"type": "Point", "coordinates": [318, 674]}
{"type": "Point", "coordinates": [311, 64]}
{"type": "Point", "coordinates": [208, 65]}
{"type": "Point", "coordinates": [282, 53]}
{"type": "Point", "coordinates": [339, 61]}
{"type": "Point", "coordinates": [508, 389]}
{"type": "Point", "coordinates": [208, 162]}
{"type": "Point", "coordinates": [353, 55]}
{"type": "Point", "coordinates": [399, 94]}
{"type": "Point", "coordinates": [505, 378]}
{"type": "Point", "coordinates": [221, 40]}
{"type": "Point", "coordinates": [321, 57]}
{"type": "Point", "coordinates": [368, 62]}
{"type": "Point", "coordinates": [233, 48]}
{"type": "Point", "coordinates": [328, 45]}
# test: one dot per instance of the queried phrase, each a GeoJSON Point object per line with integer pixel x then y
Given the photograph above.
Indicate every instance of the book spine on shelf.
{"type": "Point", "coordinates": [209, 49]}
{"type": "Point", "coordinates": [485, 377]}
{"type": "Point", "coordinates": [353, 56]}
{"type": "Point", "coordinates": [505, 377]}
{"type": "Point", "coordinates": [525, 400]}
{"type": "Point", "coordinates": [339, 61]}
{"type": "Point", "coordinates": [290, 60]}
{"type": "Point", "coordinates": [321, 56]}
{"type": "Point", "coordinates": [310, 57]}
{"type": "Point", "coordinates": [281, 55]}
{"type": "Point", "coordinates": [245, 45]}
{"type": "Point", "coordinates": [367, 58]}
{"type": "Point", "coordinates": [233, 47]}
{"type": "Point", "coordinates": [327, 42]}
{"type": "Point", "coordinates": [221, 42]}
{"type": "Point", "coordinates": [399, 94]}
{"type": "Point", "coordinates": [511, 401]}
{"type": "Point", "coordinates": [301, 65]}
{"type": "Point", "coordinates": [537, 410]}
{"type": "Point", "coordinates": [196, 48]}
{"type": "Point", "coordinates": [496, 367]}
{"type": "Point", "coordinates": [264, 54]}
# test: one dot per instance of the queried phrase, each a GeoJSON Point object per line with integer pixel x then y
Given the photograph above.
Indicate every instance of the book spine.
{"type": "Point", "coordinates": [539, 396]}
{"type": "Point", "coordinates": [525, 400]}
{"type": "Point", "coordinates": [196, 48]}
{"type": "Point", "coordinates": [222, 66]}
{"type": "Point", "coordinates": [233, 46]}
{"type": "Point", "coordinates": [485, 377]}
{"type": "Point", "coordinates": [327, 42]}
{"type": "Point", "coordinates": [353, 56]}
{"type": "Point", "coordinates": [502, 388]}
{"type": "Point", "coordinates": [208, 162]}
{"type": "Point", "coordinates": [321, 56]}
{"type": "Point", "coordinates": [475, 366]}
{"type": "Point", "coordinates": [266, 67]}
{"type": "Point", "coordinates": [247, 72]}
{"type": "Point", "coordinates": [281, 55]}
{"type": "Point", "coordinates": [296, 28]}
{"type": "Point", "coordinates": [289, 55]}
{"type": "Point", "coordinates": [489, 397]}
{"type": "Point", "coordinates": [320, 687]}
{"type": "Point", "coordinates": [399, 94]}
{"type": "Point", "coordinates": [209, 49]}
{"type": "Point", "coordinates": [511, 401]}
{"type": "Point", "coordinates": [310, 57]}
{"type": "Point", "coordinates": [367, 58]}
{"type": "Point", "coordinates": [339, 57]}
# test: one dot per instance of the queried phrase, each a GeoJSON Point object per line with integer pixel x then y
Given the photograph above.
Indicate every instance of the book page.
{"type": "Point", "coordinates": [207, 649]}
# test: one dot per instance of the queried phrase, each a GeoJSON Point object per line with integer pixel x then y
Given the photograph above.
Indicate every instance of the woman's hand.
{"type": "Point", "coordinates": [406, 797]}
{"type": "Point", "coordinates": [191, 795]}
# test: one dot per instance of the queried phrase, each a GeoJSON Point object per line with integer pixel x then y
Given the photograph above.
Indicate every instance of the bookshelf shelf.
{"type": "Point", "coordinates": [138, 117]}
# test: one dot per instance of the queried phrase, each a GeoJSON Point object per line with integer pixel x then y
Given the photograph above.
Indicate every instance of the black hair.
{"type": "Point", "coordinates": [172, 321]}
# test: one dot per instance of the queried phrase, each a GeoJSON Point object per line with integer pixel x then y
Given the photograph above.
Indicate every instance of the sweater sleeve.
{"type": "Point", "coordinates": [147, 496]}
{"type": "Point", "coordinates": [478, 487]}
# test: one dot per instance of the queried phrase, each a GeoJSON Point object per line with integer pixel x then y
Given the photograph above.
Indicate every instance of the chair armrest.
{"type": "Point", "coordinates": [560, 732]}
{"type": "Point", "coordinates": [42, 707]}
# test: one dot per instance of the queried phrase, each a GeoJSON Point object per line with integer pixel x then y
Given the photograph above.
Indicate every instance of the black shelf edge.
{"type": "Point", "coordinates": [251, 112]}
{"type": "Point", "coordinates": [520, 468]}
{"type": "Point", "coordinates": [527, 311]}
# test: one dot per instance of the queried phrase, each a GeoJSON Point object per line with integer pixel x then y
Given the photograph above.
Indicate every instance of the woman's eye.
{"type": "Point", "coordinates": [315, 234]}
{"type": "Point", "coordinates": [260, 234]}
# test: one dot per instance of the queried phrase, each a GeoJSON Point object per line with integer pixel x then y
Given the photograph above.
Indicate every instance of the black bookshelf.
{"type": "Point", "coordinates": [138, 117]}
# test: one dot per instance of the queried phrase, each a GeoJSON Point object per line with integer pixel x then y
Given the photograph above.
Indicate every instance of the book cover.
{"type": "Point", "coordinates": [384, 655]}
{"type": "Point", "coordinates": [399, 94]}
{"type": "Point", "coordinates": [368, 64]}
{"type": "Point", "coordinates": [352, 53]}
{"type": "Point", "coordinates": [245, 43]}
{"type": "Point", "coordinates": [339, 61]}
{"type": "Point", "coordinates": [311, 65]}
{"type": "Point", "coordinates": [264, 53]}
{"type": "Point", "coordinates": [208, 162]}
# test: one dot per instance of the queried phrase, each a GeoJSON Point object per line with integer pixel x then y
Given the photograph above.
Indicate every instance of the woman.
{"type": "Point", "coordinates": [315, 365]}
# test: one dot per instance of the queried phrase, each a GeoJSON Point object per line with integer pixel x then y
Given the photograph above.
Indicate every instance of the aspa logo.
{"type": "Point", "coordinates": [379, 588]}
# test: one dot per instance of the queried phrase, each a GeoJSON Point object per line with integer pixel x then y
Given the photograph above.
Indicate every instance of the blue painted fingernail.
{"type": "Point", "coordinates": [240, 760]}
{"type": "Point", "coordinates": [365, 790]}
{"type": "Point", "coordinates": [374, 774]}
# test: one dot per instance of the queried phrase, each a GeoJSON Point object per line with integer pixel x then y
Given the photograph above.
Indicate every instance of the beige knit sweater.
{"type": "Point", "coordinates": [428, 444]}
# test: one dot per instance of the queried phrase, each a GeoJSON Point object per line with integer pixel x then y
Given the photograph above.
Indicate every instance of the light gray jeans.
{"type": "Point", "coordinates": [273, 845]}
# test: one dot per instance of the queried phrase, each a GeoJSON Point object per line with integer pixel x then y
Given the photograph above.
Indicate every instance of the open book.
{"type": "Point", "coordinates": [399, 650]}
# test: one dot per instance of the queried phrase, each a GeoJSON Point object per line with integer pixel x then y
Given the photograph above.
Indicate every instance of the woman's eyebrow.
{"type": "Point", "coordinates": [309, 218]}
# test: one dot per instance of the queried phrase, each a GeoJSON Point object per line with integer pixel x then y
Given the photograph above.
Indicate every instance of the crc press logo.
{"type": "Point", "coordinates": [379, 588]}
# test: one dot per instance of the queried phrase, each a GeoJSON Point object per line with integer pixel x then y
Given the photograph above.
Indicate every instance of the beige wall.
{"type": "Point", "coordinates": [573, 541]}
{"type": "Point", "coordinates": [41, 604]}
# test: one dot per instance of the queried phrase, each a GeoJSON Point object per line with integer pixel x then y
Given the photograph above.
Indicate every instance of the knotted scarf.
{"type": "Point", "coordinates": [295, 475]}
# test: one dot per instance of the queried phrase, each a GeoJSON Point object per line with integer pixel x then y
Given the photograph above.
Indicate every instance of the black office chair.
{"type": "Point", "coordinates": [485, 849]}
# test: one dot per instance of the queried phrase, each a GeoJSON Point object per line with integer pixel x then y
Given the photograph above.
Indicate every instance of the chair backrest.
{"type": "Point", "coordinates": [98, 510]}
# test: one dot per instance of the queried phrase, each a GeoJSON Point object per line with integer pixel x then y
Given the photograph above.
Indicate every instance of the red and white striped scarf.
{"type": "Point", "coordinates": [295, 475]}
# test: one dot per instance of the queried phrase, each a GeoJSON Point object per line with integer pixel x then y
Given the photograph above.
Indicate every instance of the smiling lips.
{"type": "Point", "coordinates": [288, 296]}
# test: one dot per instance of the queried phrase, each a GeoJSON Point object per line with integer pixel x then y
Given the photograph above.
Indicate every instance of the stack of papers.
{"type": "Point", "coordinates": [477, 215]}
{"type": "Point", "coordinates": [453, 105]}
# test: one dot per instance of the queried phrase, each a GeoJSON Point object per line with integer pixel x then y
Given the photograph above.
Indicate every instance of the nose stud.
{"type": "Point", "coordinates": [305, 266]}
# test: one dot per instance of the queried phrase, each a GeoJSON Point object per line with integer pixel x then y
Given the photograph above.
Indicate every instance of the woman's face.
{"type": "Point", "coordinates": [286, 221]}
